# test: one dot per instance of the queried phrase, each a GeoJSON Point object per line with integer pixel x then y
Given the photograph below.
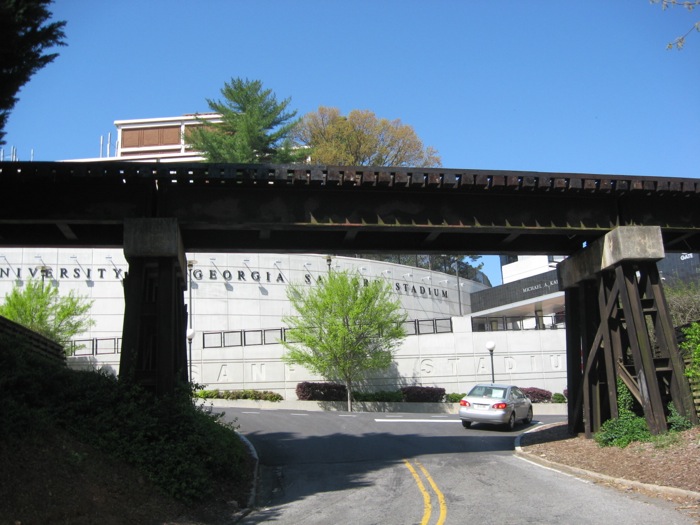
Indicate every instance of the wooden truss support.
{"type": "Point", "coordinates": [619, 326]}
{"type": "Point", "coordinates": [154, 351]}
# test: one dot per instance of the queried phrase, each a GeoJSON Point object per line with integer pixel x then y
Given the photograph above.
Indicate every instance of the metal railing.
{"type": "Point", "coordinates": [224, 339]}
{"type": "Point", "coordinates": [96, 346]}
{"type": "Point", "coordinates": [533, 322]}
{"type": "Point", "coordinates": [236, 338]}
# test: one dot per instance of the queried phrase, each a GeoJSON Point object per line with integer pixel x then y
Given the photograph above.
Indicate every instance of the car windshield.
{"type": "Point", "coordinates": [488, 391]}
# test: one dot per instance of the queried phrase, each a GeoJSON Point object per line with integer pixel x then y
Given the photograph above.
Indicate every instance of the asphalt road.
{"type": "Point", "coordinates": [364, 468]}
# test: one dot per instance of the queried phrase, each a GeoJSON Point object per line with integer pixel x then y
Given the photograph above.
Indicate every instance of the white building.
{"type": "Point", "coordinates": [237, 305]}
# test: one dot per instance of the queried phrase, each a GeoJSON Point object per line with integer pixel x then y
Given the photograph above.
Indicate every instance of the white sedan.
{"type": "Point", "coordinates": [495, 404]}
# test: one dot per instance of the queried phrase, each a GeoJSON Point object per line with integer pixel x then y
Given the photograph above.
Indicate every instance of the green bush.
{"type": "Point", "coordinates": [309, 391]}
{"type": "Point", "coordinates": [558, 398]}
{"type": "Point", "coordinates": [453, 398]}
{"type": "Point", "coordinates": [621, 431]}
{"type": "Point", "coordinates": [256, 395]}
{"type": "Point", "coordinates": [691, 348]}
{"type": "Point", "coordinates": [180, 447]}
{"type": "Point", "coordinates": [422, 394]}
{"type": "Point", "coordinates": [628, 427]}
{"type": "Point", "coordinates": [381, 396]}
{"type": "Point", "coordinates": [677, 422]}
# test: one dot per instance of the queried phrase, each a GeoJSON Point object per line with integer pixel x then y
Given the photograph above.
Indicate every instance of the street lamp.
{"type": "Point", "coordinates": [491, 346]}
{"type": "Point", "coordinates": [190, 330]}
{"type": "Point", "coordinates": [190, 336]}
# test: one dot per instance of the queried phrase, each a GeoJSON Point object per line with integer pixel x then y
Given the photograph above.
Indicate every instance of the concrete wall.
{"type": "Point", "coordinates": [243, 297]}
{"type": "Point", "coordinates": [454, 361]}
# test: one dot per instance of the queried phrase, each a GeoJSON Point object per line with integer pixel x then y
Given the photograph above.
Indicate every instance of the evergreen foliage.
{"type": "Point", "coordinates": [39, 307]}
{"type": "Point", "coordinates": [345, 327]}
{"type": "Point", "coordinates": [255, 127]}
{"type": "Point", "coordinates": [24, 36]}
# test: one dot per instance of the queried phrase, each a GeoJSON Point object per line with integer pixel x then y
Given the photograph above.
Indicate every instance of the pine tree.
{"type": "Point", "coordinates": [255, 127]}
{"type": "Point", "coordinates": [24, 35]}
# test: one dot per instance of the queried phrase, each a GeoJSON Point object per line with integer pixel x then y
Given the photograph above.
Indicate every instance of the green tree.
{"type": "Point", "coordinates": [361, 139]}
{"type": "Point", "coordinates": [24, 35]}
{"type": "Point", "coordinates": [464, 265]}
{"type": "Point", "coordinates": [40, 308]}
{"type": "Point", "coordinates": [345, 327]}
{"type": "Point", "coordinates": [255, 127]}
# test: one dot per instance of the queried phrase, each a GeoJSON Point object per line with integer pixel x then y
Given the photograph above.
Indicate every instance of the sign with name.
{"type": "Point", "coordinates": [551, 285]}
{"type": "Point", "coordinates": [198, 275]}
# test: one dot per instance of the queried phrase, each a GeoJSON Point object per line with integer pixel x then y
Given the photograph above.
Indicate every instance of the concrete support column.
{"type": "Point", "coordinates": [154, 350]}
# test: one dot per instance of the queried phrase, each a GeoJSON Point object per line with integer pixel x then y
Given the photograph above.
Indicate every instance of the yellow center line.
{"type": "Point", "coordinates": [427, 506]}
{"type": "Point", "coordinates": [438, 493]}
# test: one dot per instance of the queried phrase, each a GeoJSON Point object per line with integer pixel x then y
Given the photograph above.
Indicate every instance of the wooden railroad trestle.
{"type": "Point", "coordinates": [619, 326]}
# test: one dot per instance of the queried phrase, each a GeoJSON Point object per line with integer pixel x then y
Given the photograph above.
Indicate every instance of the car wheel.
{"type": "Point", "coordinates": [466, 424]}
{"type": "Point", "coordinates": [528, 419]}
{"type": "Point", "coordinates": [511, 421]}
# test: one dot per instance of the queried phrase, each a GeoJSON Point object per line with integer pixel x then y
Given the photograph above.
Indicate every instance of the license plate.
{"type": "Point", "coordinates": [481, 407]}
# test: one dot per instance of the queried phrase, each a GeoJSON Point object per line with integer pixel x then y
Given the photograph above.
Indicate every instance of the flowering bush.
{"type": "Point", "coordinates": [538, 395]}
{"type": "Point", "coordinates": [308, 391]}
{"type": "Point", "coordinates": [422, 394]}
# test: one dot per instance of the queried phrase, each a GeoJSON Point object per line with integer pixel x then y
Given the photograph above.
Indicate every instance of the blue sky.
{"type": "Point", "coordinates": [539, 85]}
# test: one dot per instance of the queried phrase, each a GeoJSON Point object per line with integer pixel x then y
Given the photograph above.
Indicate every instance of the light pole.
{"type": "Point", "coordinates": [190, 330]}
{"type": "Point", "coordinates": [190, 336]}
{"type": "Point", "coordinates": [491, 346]}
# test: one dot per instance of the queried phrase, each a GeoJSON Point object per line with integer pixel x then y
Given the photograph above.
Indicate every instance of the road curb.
{"type": "Point", "coordinates": [254, 484]}
{"type": "Point", "coordinates": [575, 471]}
{"type": "Point", "coordinates": [539, 409]}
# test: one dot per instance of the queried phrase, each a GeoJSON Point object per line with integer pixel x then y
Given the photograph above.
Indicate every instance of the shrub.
{"type": "Point", "coordinates": [453, 398]}
{"type": "Point", "coordinates": [558, 398]}
{"type": "Point", "coordinates": [627, 427]}
{"type": "Point", "coordinates": [422, 394]}
{"type": "Point", "coordinates": [382, 396]}
{"type": "Point", "coordinates": [677, 422]}
{"type": "Point", "coordinates": [691, 348]}
{"type": "Point", "coordinates": [308, 391]}
{"type": "Point", "coordinates": [537, 395]}
{"type": "Point", "coordinates": [621, 431]}
{"type": "Point", "coordinates": [181, 448]}
{"type": "Point", "coordinates": [257, 395]}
